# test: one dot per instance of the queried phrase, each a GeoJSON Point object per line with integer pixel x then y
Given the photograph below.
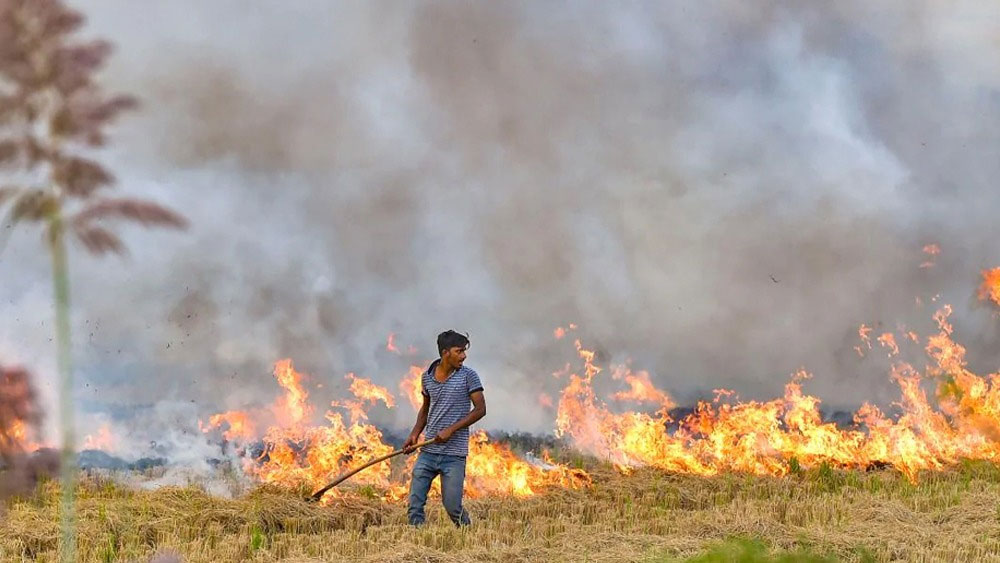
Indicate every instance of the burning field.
{"type": "Point", "coordinates": [290, 452]}
{"type": "Point", "coordinates": [653, 483]}
{"type": "Point", "coordinates": [719, 205]}
{"type": "Point", "coordinates": [725, 435]}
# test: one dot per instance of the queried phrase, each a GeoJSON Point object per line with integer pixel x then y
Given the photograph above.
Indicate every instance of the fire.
{"type": "Point", "coordinates": [770, 437]}
{"type": "Point", "coordinates": [626, 440]}
{"type": "Point", "coordinates": [932, 250]}
{"type": "Point", "coordinates": [240, 425]}
{"type": "Point", "coordinates": [641, 389]}
{"type": "Point", "coordinates": [588, 360]}
{"type": "Point", "coordinates": [410, 387]}
{"type": "Point", "coordinates": [20, 417]}
{"type": "Point", "coordinates": [364, 391]}
{"type": "Point", "coordinates": [560, 332]}
{"type": "Point", "coordinates": [298, 453]}
{"type": "Point", "coordinates": [763, 437]}
{"type": "Point", "coordinates": [368, 391]}
{"type": "Point", "coordinates": [103, 440]}
{"type": "Point", "coordinates": [990, 288]}
{"type": "Point", "coordinates": [293, 408]}
{"type": "Point", "coordinates": [18, 438]}
{"type": "Point", "coordinates": [295, 453]}
{"type": "Point", "coordinates": [390, 346]}
{"type": "Point", "coordinates": [493, 469]}
{"type": "Point", "coordinates": [18, 431]}
{"type": "Point", "coordinates": [863, 332]}
{"type": "Point", "coordinates": [888, 340]}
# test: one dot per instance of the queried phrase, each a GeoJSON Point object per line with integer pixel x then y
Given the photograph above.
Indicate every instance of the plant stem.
{"type": "Point", "coordinates": [67, 462]}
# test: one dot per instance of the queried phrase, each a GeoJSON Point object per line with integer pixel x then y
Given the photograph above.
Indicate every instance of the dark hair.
{"type": "Point", "coordinates": [451, 339]}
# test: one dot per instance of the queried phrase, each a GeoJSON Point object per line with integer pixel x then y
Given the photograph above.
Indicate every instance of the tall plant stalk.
{"type": "Point", "coordinates": [51, 108]}
{"type": "Point", "coordinates": [67, 414]}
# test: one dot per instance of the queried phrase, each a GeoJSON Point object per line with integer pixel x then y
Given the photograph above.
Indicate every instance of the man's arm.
{"type": "Point", "coordinates": [419, 426]}
{"type": "Point", "coordinates": [478, 411]}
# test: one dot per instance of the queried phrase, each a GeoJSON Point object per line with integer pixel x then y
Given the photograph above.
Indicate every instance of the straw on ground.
{"type": "Point", "coordinates": [646, 516]}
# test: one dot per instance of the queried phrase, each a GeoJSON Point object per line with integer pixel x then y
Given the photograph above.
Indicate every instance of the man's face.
{"type": "Point", "coordinates": [455, 355]}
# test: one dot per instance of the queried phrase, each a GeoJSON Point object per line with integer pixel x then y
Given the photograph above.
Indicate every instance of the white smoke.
{"type": "Point", "coordinates": [721, 192]}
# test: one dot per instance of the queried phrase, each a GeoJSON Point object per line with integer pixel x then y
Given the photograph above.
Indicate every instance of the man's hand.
{"type": "Point", "coordinates": [410, 443]}
{"type": "Point", "coordinates": [443, 436]}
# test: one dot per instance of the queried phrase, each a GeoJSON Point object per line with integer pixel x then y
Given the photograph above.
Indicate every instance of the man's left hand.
{"type": "Point", "coordinates": [443, 436]}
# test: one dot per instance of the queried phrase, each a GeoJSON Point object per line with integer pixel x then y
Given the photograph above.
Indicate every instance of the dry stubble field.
{"type": "Point", "coordinates": [819, 515]}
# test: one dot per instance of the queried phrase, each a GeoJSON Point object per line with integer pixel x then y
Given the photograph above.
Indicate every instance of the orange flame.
{"type": "Point", "coordinates": [20, 438]}
{"type": "Point", "coordinates": [18, 431]}
{"type": "Point", "coordinates": [240, 426]}
{"type": "Point", "coordinates": [762, 437]}
{"type": "Point", "coordinates": [410, 387]}
{"type": "Point", "coordinates": [103, 440]}
{"type": "Point", "coordinates": [293, 408]}
{"type": "Point", "coordinates": [932, 250]}
{"type": "Point", "coordinates": [641, 389]}
{"type": "Point", "coordinates": [365, 392]}
{"type": "Point", "coordinates": [588, 360]}
{"type": "Point", "coordinates": [390, 344]}
{"type": "Point", "coordinates": [20, 417]}
{"type": "Point", "coordinates": [990, 288]}
{"type": "Point", "coordinates": [863, 332]}
{"type": "Point", "coordinates": [297, 454]}
{"type": "Point", "coordinates": [888, 340]}
{"type": "Point", "coordinates": [494, 470]}
{"type": "Point", "coordinates": [759, 437]}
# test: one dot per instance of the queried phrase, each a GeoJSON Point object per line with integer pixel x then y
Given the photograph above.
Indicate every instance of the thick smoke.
{"type": "Point", "coordinates": [718, 191]}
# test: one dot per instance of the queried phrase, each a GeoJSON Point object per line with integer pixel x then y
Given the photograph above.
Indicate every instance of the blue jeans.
{"type": "Point", "coordinates": [451, 468]}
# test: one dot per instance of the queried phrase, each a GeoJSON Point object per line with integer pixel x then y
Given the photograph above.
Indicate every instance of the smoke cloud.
{"type": "Point", "coordinates": [721, 193]}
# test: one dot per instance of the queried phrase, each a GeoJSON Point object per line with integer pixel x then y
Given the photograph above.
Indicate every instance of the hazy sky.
{"type": "Point", "coordinates": [646, 171]}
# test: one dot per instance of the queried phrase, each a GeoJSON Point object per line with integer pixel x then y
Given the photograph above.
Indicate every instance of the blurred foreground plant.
{"type": "Point", "coordinates": [52, 118]}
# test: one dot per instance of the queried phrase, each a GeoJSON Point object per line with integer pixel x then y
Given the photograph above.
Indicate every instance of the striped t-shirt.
{"type": "Point", "coordinates": [450, 402]}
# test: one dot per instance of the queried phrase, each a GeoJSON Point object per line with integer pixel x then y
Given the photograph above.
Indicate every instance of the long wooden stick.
{"type": "Point", "coordinates": [319, 494]}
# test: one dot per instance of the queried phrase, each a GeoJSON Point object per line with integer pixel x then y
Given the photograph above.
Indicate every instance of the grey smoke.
{"type": "Point", "coordinates": [642, 170]}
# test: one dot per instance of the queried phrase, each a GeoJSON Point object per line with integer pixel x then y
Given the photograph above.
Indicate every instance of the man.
{"type": "Point", "coordinates": [448, 387]}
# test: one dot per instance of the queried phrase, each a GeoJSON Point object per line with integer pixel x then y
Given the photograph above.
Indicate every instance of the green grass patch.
{"type": "Point", "coordinates": [745, 550]}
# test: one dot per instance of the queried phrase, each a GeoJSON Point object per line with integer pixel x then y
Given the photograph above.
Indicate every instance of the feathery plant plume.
{"type": "Point", "coordinates": [52, 113]}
